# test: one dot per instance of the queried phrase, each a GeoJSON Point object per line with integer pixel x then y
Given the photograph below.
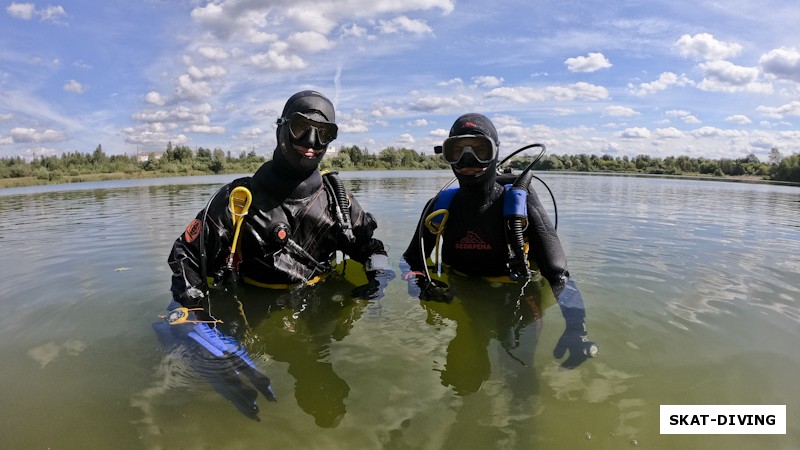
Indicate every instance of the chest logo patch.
{"type": "Point", "coordinates": [471, 241]}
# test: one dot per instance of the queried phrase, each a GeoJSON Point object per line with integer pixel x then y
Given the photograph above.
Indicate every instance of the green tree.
{"type": "Point", "coordinates": [775, 156]}
{"type": "Point", "coordinates": [99, 157]}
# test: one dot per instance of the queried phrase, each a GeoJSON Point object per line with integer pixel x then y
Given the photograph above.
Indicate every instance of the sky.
{"type": "Point", "coordinates": [713, 79]}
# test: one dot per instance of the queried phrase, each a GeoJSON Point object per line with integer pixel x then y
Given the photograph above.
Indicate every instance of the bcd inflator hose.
{"type": "Point", "coordinates": [518, 266]}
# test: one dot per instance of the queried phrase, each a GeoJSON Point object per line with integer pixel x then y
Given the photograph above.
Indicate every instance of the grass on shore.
{"type": "Point", "coordinates": [34, 181]}
{"type": "Point", "coordinates": [89, 177]}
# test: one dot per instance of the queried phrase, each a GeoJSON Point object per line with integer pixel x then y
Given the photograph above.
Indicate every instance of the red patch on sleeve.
{"type": "Point", "coordinates": [193, 230]}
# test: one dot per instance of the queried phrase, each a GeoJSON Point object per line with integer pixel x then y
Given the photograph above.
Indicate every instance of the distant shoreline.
{"type": "Point", "coordinates": [86, 178]}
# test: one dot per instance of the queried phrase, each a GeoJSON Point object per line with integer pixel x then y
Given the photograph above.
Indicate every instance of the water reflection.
{"type": "Point", "coordinates": [297, 327]}
{"type": "Point", "coordinates": [482, 312]}
{"type": "Point", "coordinates": [692, 290]}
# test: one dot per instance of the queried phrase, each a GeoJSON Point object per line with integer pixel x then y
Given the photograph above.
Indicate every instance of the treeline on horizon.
{"type": "Point", "coordinates": [182, 160]}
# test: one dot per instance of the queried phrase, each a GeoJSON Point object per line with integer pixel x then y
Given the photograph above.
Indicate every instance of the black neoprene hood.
{"type": "Point", "coordinates": [319, 108]}
{"type": "Point", "coordinates": [307, 102]}
{"type": "Point", "coordinates": [474, 123]}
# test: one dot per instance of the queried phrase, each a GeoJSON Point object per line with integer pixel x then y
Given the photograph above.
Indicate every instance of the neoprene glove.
{"type": "Point", "coordinates": [574, 340]}
{"type": "Point", "coordinates": [216, 356]}
{"type": "Point", "coordinates": [433, 290]}
{"type": "Point", "coordinates": [377, 280]}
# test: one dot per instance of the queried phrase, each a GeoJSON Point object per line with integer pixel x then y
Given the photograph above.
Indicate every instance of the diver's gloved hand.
{"type": "Point", "coordinates": [377, 280]}
{"type": "Point", "coordinates": [575, 341]}
{"type": "Point", "coordinates": [434, 290]}
{"type": "Point", "coordinates": [216, 356]}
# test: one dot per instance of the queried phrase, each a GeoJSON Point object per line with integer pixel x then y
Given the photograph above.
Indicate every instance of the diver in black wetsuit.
{"type": "Point", "coordinates": [279, 228]}
{"type": "Point", "coordinates": [298, 218]}
{"type": "Point", "coordinates": [475, 243]}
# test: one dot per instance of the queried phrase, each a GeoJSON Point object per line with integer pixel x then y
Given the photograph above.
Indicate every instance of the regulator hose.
{"type": "Point", "coordinates": [516, 225]}
{"type": "Point", "coordinates": [341, 199]}
{"type": "Point", "coordinates": [517, 261]}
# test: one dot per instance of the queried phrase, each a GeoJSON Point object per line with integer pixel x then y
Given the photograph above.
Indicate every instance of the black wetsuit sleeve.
{"type": "Point", "coordinates": [364, 244]}
{"type": "Point", "coordinates": [545, 247]}
{"type": "Point", "coordinates": [417, 253]}
{"type": "Point", "coordinates": [201, 250]}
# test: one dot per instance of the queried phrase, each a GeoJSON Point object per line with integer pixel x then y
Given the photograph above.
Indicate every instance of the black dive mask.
{"type": "Point", "coordinates": [309, 133]}
{"type": "Point", "coordinates": [308, 121]}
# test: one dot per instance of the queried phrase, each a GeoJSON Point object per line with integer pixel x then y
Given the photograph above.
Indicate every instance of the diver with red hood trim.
{"type": "Point", "coordinates": [278, 229]}
{"type": "Point", "coordinates": [477, 239]}
{"type": "Point", "coordinates": [296, 222]}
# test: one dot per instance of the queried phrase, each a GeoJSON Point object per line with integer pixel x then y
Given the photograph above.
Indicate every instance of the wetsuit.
{"type": "Point", "coordinates": [287, 191]}
{"type": "Point", "coordinates": [474, 241]}
{"type": "Point", "coordinates": [303, 204]}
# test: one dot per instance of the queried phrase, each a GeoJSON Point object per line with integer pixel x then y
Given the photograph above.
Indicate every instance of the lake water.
{"type": "Point", "coordinates": [692, 291]}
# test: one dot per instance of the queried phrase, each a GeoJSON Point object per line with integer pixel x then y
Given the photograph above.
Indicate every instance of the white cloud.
{"type": "Point", "coordinates": [525, 94]}
{"type": "Point", "coordinates": [213, 17]}
{"type": "Point", "coordinates": [685, 116]}
{"type": "Point", "coordinates": [664, 82]}
{"type": "Point", "coordinates": [313, 17]}
{"type": "Point", "coordinates": [620, 111]}
{"type": "Point", "coordinates": [32, 135]}
{"type": "Point", "coordinates": [704, 46]}
{"type": "Point", "coordinates": [74, 87]}
{"type": "Point", "coordinates": [353, 126]}
{"type": "Point", "coordinates": [406, 139]}
{"type": "Point", "coordinates": [439, 133]}
{"type": "Point", "coordinates": [404, 24]}
{"type": "Point", "coordinates": [579, 90]}
{"type": "Point", "coordinates": [206, 72]}
{"type": "Point", "coordinates": [520, 94]}
{"type": "Point", "coordinates": [252, 133]}
{"type": "Point", "coordinates": [668, 133]}
{"type": "Point", "coordinates": [433, 103]}
{"type": "Point", "coordinates": [152, 136]}
{"type": "Point", "coordinates": [26, 11]}
{"type": "Point", "coordinates": [386, 111]}
{"type": "Point", "coordinates": [188, 89]}
{"type": "Point", "coordinates": [711, 132]}
{"type": "Point", "coordinates": [309, 41]}
{"type": "Point", "coordinates": [51, 14]}
{"type": "Point", "coordinates": [727, 77]}
{"type": "Point", "coordinates": [782, 63]}
{"type": "Point", "coordinates": [738, 118]}
{"type": "Point", "coordinates": [259, 37]}
{"type": "Point", "coordinates": [198, 114]}
{"type": "Point", "coordinates": [353, 30]}
{"type": "Point", "coordinates": [205, 129]}
{"type": "Point", "coordinates": [418, 123]}
{"type": "Point", "coordinates": [487, 81]}
{"type": "Point", "coordinates": [276, 59]}
{"type": "Point", "coordinates": [154, 98]}
{"type": "Point", "coordinates": [564, 111]}
{"type": "Point", "coordinates": [789, 109]}
{"type": "Point", "coordinates": [634, 133]}
{"type": "Point", "coordinates": [213, 53]}
{"type": "Point", "coordinates": [590, 63]}
{"type": "Point", "coordinates": [22, 11]}
{"type": "Point", "coordinates": [451, 82]}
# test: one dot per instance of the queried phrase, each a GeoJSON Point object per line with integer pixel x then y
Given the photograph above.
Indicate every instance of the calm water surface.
{"type": "Point", "coordinates": [692, 290]}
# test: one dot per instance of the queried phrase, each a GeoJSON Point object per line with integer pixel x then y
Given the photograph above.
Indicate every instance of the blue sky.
{"type": "Point", "coordinates": [714, 79]}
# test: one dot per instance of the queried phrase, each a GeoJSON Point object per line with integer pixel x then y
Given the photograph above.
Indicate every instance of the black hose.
{"type": "Point", "coordinates": [342, 211]}
{"type": "Point", "coordinates": [536, 159]}
{"type": "Point", "coordinates": [517, 264]}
